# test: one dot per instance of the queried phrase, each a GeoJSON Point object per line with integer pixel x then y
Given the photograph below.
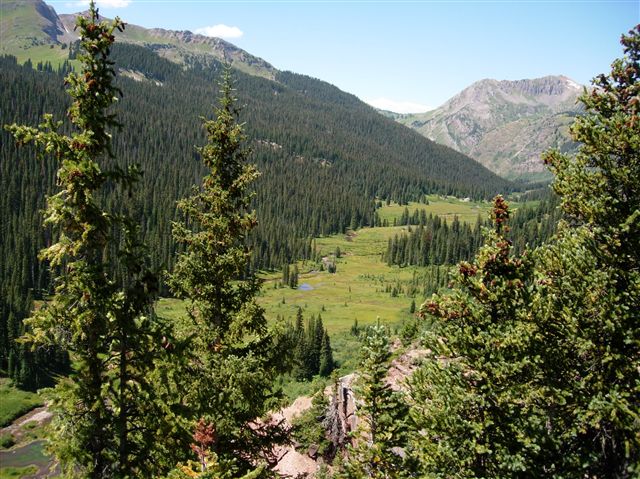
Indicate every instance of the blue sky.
{"type": "Point", "coordinates": [391, 53]}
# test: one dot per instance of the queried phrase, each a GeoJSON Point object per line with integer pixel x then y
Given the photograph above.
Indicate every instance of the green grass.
{"type": "Point", "coordinates": [17, 472]}
{"type": "Point", "coordinates": [355, 291]}
{"type": "Point", "coordinates": [15, 402]}
{"type": "Point", "coordinates": [444, 207]}
{"type": "Point", "coordinates": [42, 53]}
{"type": "Point", "coordinates": [6, 440]}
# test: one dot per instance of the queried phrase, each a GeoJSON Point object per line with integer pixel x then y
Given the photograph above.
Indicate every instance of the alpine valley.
{"type": "Point", "coordinates": [213, 268]}
{"type": "Point", "coordinates": [327, 160]}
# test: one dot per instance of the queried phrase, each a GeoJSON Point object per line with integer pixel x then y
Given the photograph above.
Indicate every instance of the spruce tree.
{"type": "Point", "coordinates": [106, 414]}
{"type": "Point", "coordinates": [471, 414]}
{"type": "Point", "coordinates": [298, 348]}
{"type": "Point", "coordinates": [589, 295]}
{"type": "Point", "coordinates": [327, 362]}
{"type": "Point", "coordinates": [381, 436]}
{"type": "Point", "coordinates": [229, 383]}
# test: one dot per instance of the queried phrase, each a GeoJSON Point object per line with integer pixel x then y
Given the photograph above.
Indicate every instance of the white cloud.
{"type": "Point", "coordinates": [105, 3]}
{"type": "Point", "coordinates": [220, 31]}
{"type": "Point", "coordinates": [398, 106]}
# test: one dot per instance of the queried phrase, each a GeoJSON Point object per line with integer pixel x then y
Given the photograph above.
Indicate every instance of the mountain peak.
{"type": "Point", "coordinates": [31, 28]}
{"type": "Point", "coordinates": [505, 124]}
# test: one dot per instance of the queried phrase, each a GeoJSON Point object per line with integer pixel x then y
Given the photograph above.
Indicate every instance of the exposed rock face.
{"type": "Point", "coordinates": [505, 125]}
{"type": "Point", "coordinates": [52, 26]}
{"type": "Point", "coordinates": [179, 46]}
{"type": "Point", "coordinates": [341, 419]}
{"type": "Point", "coordinates": [342, 414]}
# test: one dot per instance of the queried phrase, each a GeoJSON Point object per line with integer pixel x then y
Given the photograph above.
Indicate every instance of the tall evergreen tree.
{"type": "Point", "coordinates": [327, 362]}
{"type": "Point", "coordinates": [589, 298]}
{"type": "Point", "coordinates": [382, 413]}
{"type": "Point", "coordinates": [470, 397]}
{"type": "Point", "coordinates": [106, 414]}
{"type": "Point", "coordinates": [231, 379]}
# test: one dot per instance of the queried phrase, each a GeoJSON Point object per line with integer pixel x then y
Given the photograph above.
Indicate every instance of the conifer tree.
{"type": "Point", "coordinates": [312, 343]}
{"type": "Point", "coordinates": [470, 410]}
{"type": "Point", "coordinates": [293, 277]}
{"type": "Point", "coordinates": [382, 413]}
{"type": "Point", "coordinates": [229, 383]}
{"type": "Point", "coordinates": [589, 295]}
{"type": "Point", "coordinates": [106, 414]}
{"type": "Point", "coordinates": [326, 356]}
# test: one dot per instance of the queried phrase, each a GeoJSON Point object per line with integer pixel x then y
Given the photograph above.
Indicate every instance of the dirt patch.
{"type": "Point", "coordinates": [39, 415]}
{"type": "Point", "coordinates": [350, 235]}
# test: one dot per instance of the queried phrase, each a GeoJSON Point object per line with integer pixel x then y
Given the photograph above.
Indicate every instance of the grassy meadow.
{"type": "Point", "coordinates": [15, 402]}
{"type": "Point", "coordinates": [445, 207]}
{"type": "Point", "coordinates": [355, 291]}
{"type": "Point", "coordinates": [358, 290]}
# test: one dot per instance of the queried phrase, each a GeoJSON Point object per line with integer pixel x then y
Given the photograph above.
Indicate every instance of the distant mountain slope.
{"type": "Point", "coordinates": [32, 29]}
{"type": "Point", "coordinates": [306, 113]}
{"type": "Point", "coordinates": [186, 46]}
{"type": "Point", "coordinates": [505, 125]}
{"type": "Point", "coordinates": [324, 155]}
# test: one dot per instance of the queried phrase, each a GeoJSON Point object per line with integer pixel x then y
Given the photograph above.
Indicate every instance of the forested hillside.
{"type": "Point", "coordinates": [324, 157]}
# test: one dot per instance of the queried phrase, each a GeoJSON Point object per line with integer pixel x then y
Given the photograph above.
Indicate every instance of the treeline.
{"type": "Point", "coordinates": [310, 347]}
{"type": "Point", "coordinates": [434, 241]}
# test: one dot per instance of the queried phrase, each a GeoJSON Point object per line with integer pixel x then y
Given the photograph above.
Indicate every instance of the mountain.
{"type": "Point", "coordinates": [32, 29]}
{"type": "Point", "coordinates": [505, 125]}
{"type": "Point", "coordinates": [185, 47]}
{"type": "Point", "coordinates": [325, 156]}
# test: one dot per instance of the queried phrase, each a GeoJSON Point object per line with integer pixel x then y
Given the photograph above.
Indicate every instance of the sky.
{"type": "Point", "coordinates": [403, 55]}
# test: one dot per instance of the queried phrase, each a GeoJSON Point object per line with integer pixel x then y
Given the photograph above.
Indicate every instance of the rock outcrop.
{"type": "Point", "coordinates": [341, 419]}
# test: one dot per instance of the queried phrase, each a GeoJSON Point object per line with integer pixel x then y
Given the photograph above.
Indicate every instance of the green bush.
{"type": "Point", "coordinates": [308, 428]}
{"type": "Point", "coordinates": [6, 440]}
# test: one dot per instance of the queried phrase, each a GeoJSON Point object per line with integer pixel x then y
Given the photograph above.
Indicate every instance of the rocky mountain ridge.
{"type": "Point", "coordinates": [182, 45]}
{"type": "Point", "coordinates": [55, 32]}
{"type": "Point", "coordinates": [505, 125]}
